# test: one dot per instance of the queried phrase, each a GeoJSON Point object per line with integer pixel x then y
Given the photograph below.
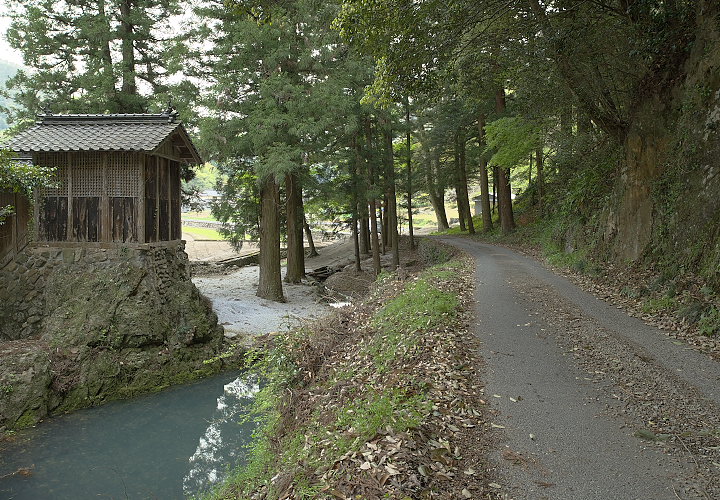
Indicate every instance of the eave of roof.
{"type": "Point", "coordinates": [117, 133]}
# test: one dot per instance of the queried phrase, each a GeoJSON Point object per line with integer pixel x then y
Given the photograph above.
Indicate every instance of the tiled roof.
{"type": "Point", "coordinates": [119, 132]}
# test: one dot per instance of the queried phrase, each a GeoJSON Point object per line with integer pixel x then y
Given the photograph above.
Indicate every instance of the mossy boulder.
{"type": "Point", "coordinates": [112, 327]}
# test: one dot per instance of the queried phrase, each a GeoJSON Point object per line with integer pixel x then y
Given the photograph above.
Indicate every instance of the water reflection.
{"type": "Point", "coordinates": [160, 446]}
{"type": "Point", "coordinates": [220, 445]}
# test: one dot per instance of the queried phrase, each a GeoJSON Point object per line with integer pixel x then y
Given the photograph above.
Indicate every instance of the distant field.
{"type": "Point", "coordinates": [202, 233]}
{"type": "Point", "coordinates": [204, 215]}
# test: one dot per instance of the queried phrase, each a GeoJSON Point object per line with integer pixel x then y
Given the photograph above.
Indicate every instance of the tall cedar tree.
{"type": "Point", "coordinates": [279, 99]}
{"type": "Point", "coordinates": [90, 56]}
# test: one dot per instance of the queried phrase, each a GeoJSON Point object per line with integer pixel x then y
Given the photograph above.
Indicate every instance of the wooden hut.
{"type": "Point", "coordinates": [118, 178]}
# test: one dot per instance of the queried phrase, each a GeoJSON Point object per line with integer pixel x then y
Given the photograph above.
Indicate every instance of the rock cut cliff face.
{"type": "Point", "coordinates": [667, 198]}
{"type": "Point", "coordinates": [79, 326]}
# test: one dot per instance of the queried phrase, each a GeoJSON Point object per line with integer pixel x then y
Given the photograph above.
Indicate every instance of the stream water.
{"type": "Point", "coordinates": [167, 445]}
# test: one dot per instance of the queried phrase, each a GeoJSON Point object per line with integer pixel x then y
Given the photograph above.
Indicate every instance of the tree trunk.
{"type": "Point", "coordinates": [375, 242]}
{"type": "Point", "coordinates": [354, 166]}
{"type": "Point", "coordinates": [270, 284]}
{"type": "Point", "coordinates": [484, 188]}
{"type": "Point", "coordinates": [540, 179]}
{"type": "Point", "coordinates": [356, 242]}
{"type": "Point", "coordinates": [364, 220]}
{"type": "Point", "coordinates": [460, 208]}
{"type": "Point", "coordinates": [127, 46]}
{"type": "Point", "coordinates": [507, 221]}
{"type": "Point", "coordinates": [106, 55]}
{"type": "Point", "coordinates": [457, 177]}
{"type": "Point", "coordinates": [495, 183]}
{"type": "Point", "coordinates": [383, 217]}
{"type": "Point", "coordinates": [309, 237]}
{"type": "Point", "coordinates": [361, 201]}
{"type": "Point", "coordinates": [464, 184]}
{"type": "Point", "coordinates": [409, 175]}
{"type": "Point", "coordinates": [437, 197]}
{"type": "Point", "coordinates": [392, 229]}
{"type": "Point", "coordinates": [295, 250]}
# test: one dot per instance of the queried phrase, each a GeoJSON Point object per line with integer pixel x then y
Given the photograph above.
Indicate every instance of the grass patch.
{"type": "Point", "coordinates": [202, 233]}
{"type": "Point", "coordinates": [709, 324]}
{"type": "Point", "coordinates": [661, 304]}
{"type": "Point", "coordinates": [204, 215]}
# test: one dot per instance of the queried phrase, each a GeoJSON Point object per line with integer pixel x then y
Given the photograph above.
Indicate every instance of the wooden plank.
{"type": "Point", "coordinates": [79, 222]}
{"type": "Point", "coordinates": [69, 223]}
{"type": "Point", "coordinates": [14, 222]}
{"type": "Point", "coordinates": [157, 198]}
{"type": "Point", "coordinates": [92, 217]}
{"type": "Point", "coordinates": [48, 219]}
{"type": "Point", "coordinates": [7, 230]}
{"type": "Point", "coordinates": [116, 204]}
{"type": "Point", "coordinates": [22, 222]}
{"type": "Point", "coordinates": [142, 158]}
{"type": "Point", "coordinates": [164, 234]}
{"type": "Point", "coordinates": [130, 220]}
{"type": "Point", "coordinates": [151, 206]}
{"type": "Point", "coordinates": [171, 236]}
{"type": "Point", "coordinates": [105, 201]}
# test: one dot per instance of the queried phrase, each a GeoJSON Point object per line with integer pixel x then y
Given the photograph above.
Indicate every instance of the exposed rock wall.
{"type": "Point", "coordinates": [666, 201]}
{"type": "Point", "coordinates": [82, 325]}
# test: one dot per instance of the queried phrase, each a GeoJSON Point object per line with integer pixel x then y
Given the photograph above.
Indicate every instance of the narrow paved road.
{"type": "Point", "coordinates": [575, 380]}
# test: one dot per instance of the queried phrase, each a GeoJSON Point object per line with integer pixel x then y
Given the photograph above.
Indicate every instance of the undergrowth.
{"type": "Point", "coordinates": [296, 440]}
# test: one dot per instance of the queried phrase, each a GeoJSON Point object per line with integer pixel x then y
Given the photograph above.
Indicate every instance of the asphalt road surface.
{"type": "Point", "coordinates": [575, 381]}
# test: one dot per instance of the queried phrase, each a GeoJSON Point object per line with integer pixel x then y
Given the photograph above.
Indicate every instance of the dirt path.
{"type": "Point", "coordinates": [595, 404]}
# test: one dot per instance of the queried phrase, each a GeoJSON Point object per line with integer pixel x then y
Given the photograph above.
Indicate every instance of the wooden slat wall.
{"type": "Point", "coordinates": [150, 199]}
{"type": "Point", "coordinates": [111, 197]}
{"type": "Point", "coordinates": [175, 222]}
{"type": "Point", "coordinates": [164, 189]}
{"type": "Point", "coordinates": [86, 218]}
{"type": "Point", "coordinates": [124, 219]}
{"type": "Point", "coordinates": [7, 230]}
{"type": "Point", "coordinates": [54, 218]}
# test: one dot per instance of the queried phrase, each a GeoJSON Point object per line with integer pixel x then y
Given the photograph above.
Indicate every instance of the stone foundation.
{"type": "Point", "coordinates": [80, 325]}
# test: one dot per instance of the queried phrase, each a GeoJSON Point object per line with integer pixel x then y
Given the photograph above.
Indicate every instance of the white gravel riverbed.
{"type": "Point", "coordinates": [242, 313]}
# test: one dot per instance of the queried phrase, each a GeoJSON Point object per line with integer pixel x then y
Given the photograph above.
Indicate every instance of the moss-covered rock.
{"type": "Point", "coordinates": [114, 324]}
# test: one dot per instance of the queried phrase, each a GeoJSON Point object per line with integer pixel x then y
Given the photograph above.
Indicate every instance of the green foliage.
{"type": "Point", "coordinates": [395, 407]}
{"type": "Point", "coordinates": [709, 324]}
{"type": "Point", "coordinates": [20, 177]}
{"type": "Point", "coordinates": [510, 140]}
{"type": "Point", "coordinates": [661, 304]}
{"type": "Point", "coordinates": [7, 71]}
{"type": "Point", "coordinates": [239, 207]}
{"type": "Point", "coordinates": [89, 56]}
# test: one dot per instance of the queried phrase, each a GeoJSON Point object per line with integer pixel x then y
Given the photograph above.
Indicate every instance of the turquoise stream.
{"type": "Point", "coordinates": [167, 445]}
